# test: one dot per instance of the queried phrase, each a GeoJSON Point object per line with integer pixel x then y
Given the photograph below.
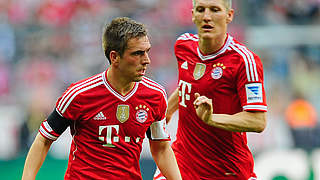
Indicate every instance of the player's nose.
{"type": "Point", "coordinates": [206, 15]}
{"type": "Point", "coordinates": [145, 58]}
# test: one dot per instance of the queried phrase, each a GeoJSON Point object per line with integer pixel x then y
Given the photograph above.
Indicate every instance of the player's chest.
{"type": "Point", "coordinates": [132, 117]}
{"type": "Point", "coordinates": [217, 74]}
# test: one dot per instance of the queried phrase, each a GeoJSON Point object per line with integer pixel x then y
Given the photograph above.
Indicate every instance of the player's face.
{"type": "Point", "coordinates": [135, 59]}
{"type": "Point", "coordinates": [211, 18]}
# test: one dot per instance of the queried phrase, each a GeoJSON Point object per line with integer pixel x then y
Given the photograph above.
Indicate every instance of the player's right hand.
{"type": "Point", "coordinates": [203, 107]}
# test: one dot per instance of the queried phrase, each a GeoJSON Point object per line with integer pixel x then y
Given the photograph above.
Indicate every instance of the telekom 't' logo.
{"type": "Point", "coordinates": [184, 92]}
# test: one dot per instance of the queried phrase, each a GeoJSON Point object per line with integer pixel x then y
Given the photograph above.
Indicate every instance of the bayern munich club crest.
{"type": "Point", "coordinates": [217, 71]}
{"type": "Point", "coordinates": [142, 114]}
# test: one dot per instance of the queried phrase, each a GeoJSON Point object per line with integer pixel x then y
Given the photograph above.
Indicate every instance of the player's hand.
{"type": "Point", "coordinates": [203, 107]}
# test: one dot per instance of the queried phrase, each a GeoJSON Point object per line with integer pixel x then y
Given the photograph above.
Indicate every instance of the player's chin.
{"type": "Point", "coordinates": [207, 36]}
{"type": "Point", "coordinates": [138, 78]}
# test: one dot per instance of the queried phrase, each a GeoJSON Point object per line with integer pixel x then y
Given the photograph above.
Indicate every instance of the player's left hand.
{"type": "Point", "coordinates": [203, 107]}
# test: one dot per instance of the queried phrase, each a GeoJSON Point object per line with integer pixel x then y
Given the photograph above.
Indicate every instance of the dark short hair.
{"type": "Point", "coordinates": [117, 34]}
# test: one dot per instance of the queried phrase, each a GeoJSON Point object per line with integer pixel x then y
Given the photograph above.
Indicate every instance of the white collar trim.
{"type": "Point", "coordinates": [211, 56]}
{"type": "Point", "coordinates": [115, 93]}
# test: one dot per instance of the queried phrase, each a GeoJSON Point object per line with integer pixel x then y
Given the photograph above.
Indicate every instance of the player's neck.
{"type": "Point", "coordinates": [118, 82]}
{"type": "Point", "coordinates": [210, 46]}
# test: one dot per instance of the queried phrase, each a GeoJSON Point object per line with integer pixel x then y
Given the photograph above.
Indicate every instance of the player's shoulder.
{"type": "Point", "coordinates": [243, 52]}
{"type": "Point", "coordinates": [85, 85]}
{"type": "Point", "coordinates": [188, 37]}
{"type": "Point", "coordinates": [97, 78]}
{"type": "Point", "coordinates": [76, 91]}
{"type": "Point", "coordinates": [186, 42]}
{"type": "Point", "coordinates": [153, 86]}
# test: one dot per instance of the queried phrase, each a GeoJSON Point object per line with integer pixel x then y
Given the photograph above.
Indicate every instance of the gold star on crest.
{"type": "Point", "coordinates": [140, 106]}
{"type": "Point", "coordinates": [219, 65]}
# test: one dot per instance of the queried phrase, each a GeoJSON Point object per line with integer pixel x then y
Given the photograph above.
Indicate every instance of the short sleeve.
{"type": "Point", "coordinates": [158, 129]}
{"type": "Point", "coordinates": [67, 110]}
{"type": "Point", "coordinates": [250, 83]}
{"type": "Point", "coordinates": [68, 105]}
{"type": "Point", "coordinates": [54, 126]}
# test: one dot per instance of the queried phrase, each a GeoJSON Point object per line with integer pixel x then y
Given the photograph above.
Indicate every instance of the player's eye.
{"type": "Point", "coordinates": [138, 53]}
{"type": "Point", "coordinates": [200, 9]}
{"type": "Point", "coordinates": [215, 9]}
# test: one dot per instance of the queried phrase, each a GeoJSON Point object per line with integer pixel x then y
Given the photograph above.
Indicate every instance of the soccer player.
{"type": "Point", "coordinates": [109, 115]}
{"type": "Point", "coordinates": [220, 97]}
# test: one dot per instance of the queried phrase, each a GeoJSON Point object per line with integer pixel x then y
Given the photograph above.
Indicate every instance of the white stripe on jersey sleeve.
{"type": "Point", "coordinates": [188, 36]}
{"type": "Point", "coordinates": [75, 88]}
{"type": "Point", "coordinates": [151, 82]}
{"type": "Point", "coordinates": [252, 178]}
{"type": "Point", "coordinates": [247, 58]}
{"type": "Point", "coordinates": [158, 130]}
{"type": "Point", "coordinates": [45, 130]}
{"type": "Point", "coordinates": [47, 135]}
{"type": "Point", "coordinates": [78, 92]}
{"type": "Point", "coordinates": [245, 61]}
{"type": "Point", "coordinates": [250, 64]}
{"type": "Point", "coordinates": [255, 107]}
{"type": "Point", "coordinates": [153, 85]}
{"type": "Point", "coordinates": [253, 65]}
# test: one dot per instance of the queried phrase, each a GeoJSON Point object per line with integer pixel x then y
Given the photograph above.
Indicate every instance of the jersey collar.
{"type": "Point", "coordinates": [115, 92]}
{"type": "Point", "coordinates": [222, 50]}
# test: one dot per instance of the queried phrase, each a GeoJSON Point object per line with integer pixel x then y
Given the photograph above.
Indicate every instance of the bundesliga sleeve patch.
{"type": "Point", "coordinates": [254, 93]}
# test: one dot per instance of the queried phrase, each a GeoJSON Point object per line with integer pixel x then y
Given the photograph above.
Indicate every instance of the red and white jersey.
{"type": "Point", "coordinates": [108, 128]}
{"type": "Point", "coordinates": [233, 78]}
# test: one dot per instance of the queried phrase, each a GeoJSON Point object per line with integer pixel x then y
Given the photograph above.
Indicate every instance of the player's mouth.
{"type": "Point", "coordinates": [142, 72]}
{"type": "Point", "coordinates": [207, 27]}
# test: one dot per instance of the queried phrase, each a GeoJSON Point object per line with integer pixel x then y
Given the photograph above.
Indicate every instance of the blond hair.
{"type": "Point", "coordinates": [227, 3]}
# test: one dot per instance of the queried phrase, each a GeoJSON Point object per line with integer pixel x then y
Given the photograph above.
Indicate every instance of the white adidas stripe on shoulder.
{"type": "Point", "coordinates": [188, 36]}
{"type": "Point", "coordinates": [250, 63]}
{"type": "Point", "coordinates": [153, 82]}
{"type": "Point", "coordinates": [250, 57]}
{"type": "Point", "coordinates": [77, 89]}
{"type": "Point", "coordinates": [78, 92]}
{"type": "Point", "coordinates": [154, 85]}
{"type": "Point", "coordinates": [67, 94]}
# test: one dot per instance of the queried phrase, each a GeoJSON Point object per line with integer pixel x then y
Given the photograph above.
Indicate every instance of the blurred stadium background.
{"type": "Point", "coordinates": [47, 44]}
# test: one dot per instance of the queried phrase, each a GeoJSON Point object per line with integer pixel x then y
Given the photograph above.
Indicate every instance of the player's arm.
{"type": "Point", "coordinates": [165, 159]}
{"type": "Point", "coordinates": [240, 122]}
{"type": "Point", "coordinates": [173, 104]}
{"type": "Point", "coordinates": [49, 131]}
{"type": "Point", "coordinates": [36, 156]}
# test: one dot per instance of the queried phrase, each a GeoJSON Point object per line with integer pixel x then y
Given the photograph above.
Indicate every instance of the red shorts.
{"type": "Point", "coordinates": [159, 176]}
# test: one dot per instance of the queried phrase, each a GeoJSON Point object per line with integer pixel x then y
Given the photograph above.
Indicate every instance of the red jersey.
{"type": "Point", "coordinates": [108, 128]}
{"type": "Point", "coordinates": [233, 78]}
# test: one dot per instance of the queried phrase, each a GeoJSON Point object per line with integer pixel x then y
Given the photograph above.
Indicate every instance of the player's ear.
{"type": "Point", "coordinates": [230, 16]}
{"type": "Point", "coordinates": [114, 57]}
{"type": "Point", "coordinates": [192, 11]}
